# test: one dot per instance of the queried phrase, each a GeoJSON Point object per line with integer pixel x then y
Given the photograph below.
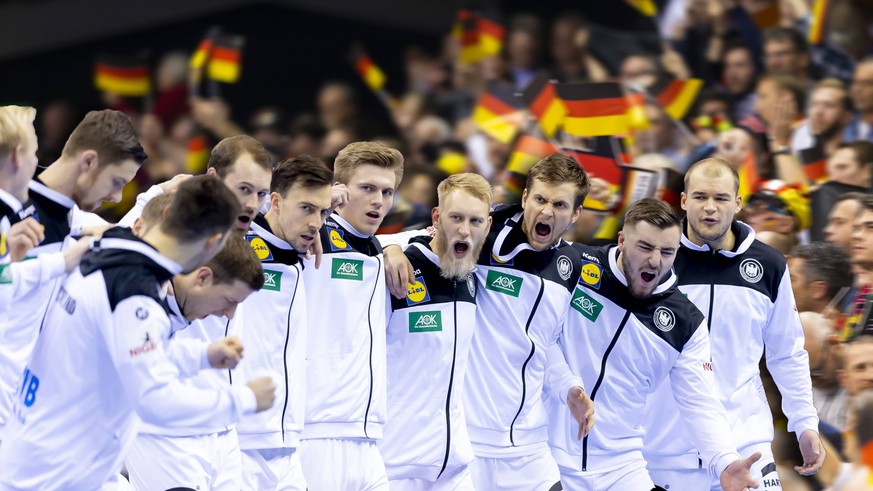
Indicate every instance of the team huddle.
{"type": "Point", "coordinates": [246, 329]}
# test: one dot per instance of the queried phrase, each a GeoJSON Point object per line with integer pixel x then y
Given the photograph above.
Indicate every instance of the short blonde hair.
{"type": "Point", "coordinates": [14, 121]}
{"type": "Point", "coordinates": [468, 182]}
{"type": "Point", "coordinates": [363, 153]}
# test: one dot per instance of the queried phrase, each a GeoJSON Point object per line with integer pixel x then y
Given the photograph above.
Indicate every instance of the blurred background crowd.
{"type": "Point", "coordinates": [781, 89]}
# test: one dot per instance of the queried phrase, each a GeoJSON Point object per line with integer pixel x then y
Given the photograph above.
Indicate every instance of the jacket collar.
{"type": "Point", "coordinates": [744, 234]}
{"type": "Point", "coordinates": [512, 240]}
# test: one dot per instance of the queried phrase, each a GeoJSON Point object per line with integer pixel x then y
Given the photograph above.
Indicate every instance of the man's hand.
{"type": "Point", "coordinates": [582, 408]}
{"type": "Point", "coordinates": [315, 250]}
{"type": "Point", "coordinates": [736, 476]}
{"type": "Point", "coordinates": [95, 231]}
{"type": "Point", "coordinates": [24, 236]}
{"type": "Point", "coordinates": [225, 353]}
{"type": "Point", "coordinates": [399, 273]}
{"type": "Point", "coordinates": [171, 185]}
{"type": "Point", "coordinates": [339, 196]}
{"type": "Point", "coordinates": [265, 392]}
{"type": "Point", "coordinates": [813, 453]}
{"type": "Point", "coordinates": [73, 254]}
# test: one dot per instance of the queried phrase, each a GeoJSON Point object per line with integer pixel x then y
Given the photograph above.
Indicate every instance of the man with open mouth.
{"type": "Point", "coordinates": [429, 336]}
{"type": "Point", "coordinates": [743, 287]}
{"type": "Point", "coordinates": [528, 274]}
{"type": "Point", "coordinates": [630, 330]}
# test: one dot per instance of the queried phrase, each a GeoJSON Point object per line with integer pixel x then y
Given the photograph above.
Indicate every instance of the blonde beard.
{"type": "Point", "coordinates": [451, 267]}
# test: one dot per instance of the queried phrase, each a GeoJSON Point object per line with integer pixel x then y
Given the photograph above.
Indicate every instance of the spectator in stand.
{"type": "Point", "coordinates": [841, 219]}
{"type": "Point", "coordinates": [862, 97]}
{"type": "Point", "coordinates": [738, 79]}
{"type": "Point", "coordinates": [828, 114]}
{"type": "Point", "coordinates": [786, 52]}
{"type": "Point", "coordinates": [569, 48]}
{"type": "Point", "coordinates": [524, 46]}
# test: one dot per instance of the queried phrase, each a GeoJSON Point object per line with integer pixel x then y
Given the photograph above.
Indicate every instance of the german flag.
{"type": "Point", "coordinates": [677, 96]}
{"type": "Point", "coordinates": [201, 54]}
{"type": "Point", "coordinates": [818, 21]}
{"type": "Point", "coordinates": [542, 100]}
{"type": "Point", "coordinates": [471, 46]}
{"type": "Point", "coordinates": [458, 27]}
{"type": "Point", "coordinates": [123, 75]}
{"type": "Point", "coordinates": [749, 177]}
{"type": "Point", "coordinates": [197, 155]}
{"type": "Point", "coordinates": [814, 163]}
{"type": "Point", "coordinates": [372, 75]}
{"type": "Point", "coordinates": [491, 34]}
{"type": "Point", "coordinates": [602, 157]}
{"type": "Point", "coordinates": [225, 60]}
{"type": "Point", "coordinates": [529, 149]}
{"type": "Point", "coordinates": [671, 183]}
{"type": "Point", "coordinates": [645, 7]}
{"type": "Point", "coordinates": [496, 114]}
{"type": "Point", "coordinates": [514, 183]}
{"type": "Point", "coordinates": [594, 109]}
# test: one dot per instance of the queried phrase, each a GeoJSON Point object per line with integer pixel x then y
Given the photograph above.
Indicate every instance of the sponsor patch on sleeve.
{"type": "Point", "coordinates": [591, 274]}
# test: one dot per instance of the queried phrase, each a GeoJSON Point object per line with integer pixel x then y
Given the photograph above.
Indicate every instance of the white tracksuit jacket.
{"type": "Point", "coordinates": [97, 368]}
{"type": "Point", "coordinates": [746, 295]}
{"type": "Point", "coordinates": [520, 309]}
{"type": "Point", "coordinates": [272, 326]}
{"type": "Point", "coordinates": [624, 347]}
{"type": "Point", "coordinates": [20, 328]}
{"type": "Point", "coordinates": [347, 308]}
{"type": "Point", "coordinates": [429, 336]}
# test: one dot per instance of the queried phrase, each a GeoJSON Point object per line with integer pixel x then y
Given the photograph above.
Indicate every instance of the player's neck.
{"type": "Point", "coordinates": [9, 184]}
{"type": "Point", "coordinates": [725, 243]}
{"type": "Point", "coordinates": [170, 247]}
{"type": "Point", "coordinates": [275, 226]}
{"type": "Point", "coordinates": [61, 176]}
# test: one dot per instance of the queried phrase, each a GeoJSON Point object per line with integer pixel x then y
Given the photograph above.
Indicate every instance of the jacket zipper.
{"type": "Point", "coordinates": [229, 372]}
{"type": "Point", "coordinates": [524, 366]}
{"type": "Point", "coordinates": [451, 377]}
{"type": "Point", "coordinates": [370, 325]}
{"type": "Point", "coordinates": [285, 353]}
{"type": "Point", "coordinates": [600, 381]}
{"type": "Point", "coordinates": [711, 296]}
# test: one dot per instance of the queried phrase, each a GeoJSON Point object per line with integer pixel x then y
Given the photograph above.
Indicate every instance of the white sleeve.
{"type": "Point", "coordinates": [20, 278]}
{"type": "Point", "coordinates": [188, 355]}
{"type": "Point", "coordinates": [788, 361]}
{"type": "Point", "coordinates": [400, 239]}
{"type": "Point", "coordinates": [141, 200]}
{"type": "Point", "coordinates": [80, 219]}
{"type": "Point", "coordinates": [134, 338]}
{"type": "Point", "coordinates": [559, 379]}
{"type": "Point", "coordinates": [694, 391]}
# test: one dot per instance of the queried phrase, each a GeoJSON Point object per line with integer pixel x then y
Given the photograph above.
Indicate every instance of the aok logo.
{"type": "Point", "coordinates": [272, 280]}
{"type": "Point", "coordinates": [425, 321]}
{"type": "Point", "coordinates": [586, 305]}
{"type": "Point", "coordinates": [347, 269]}
{"type": "Point", "coordinates": [503, 283]}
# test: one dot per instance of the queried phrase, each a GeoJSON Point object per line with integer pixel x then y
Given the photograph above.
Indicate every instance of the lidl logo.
{"type": "Point", "coordinates": [272, 280]}
{"type": "Point", "coordinates": [2, 244]}
{"type": "Point", "coordinates": [591, 274]}
{"type": "Point", "coordinates": [347, 269]}
{"type": "Point", "coordinates": [337, 242]}
{"type": "Point", "coordinates": [503, 283]}
{"type": "Point", "coordinates": [425, 321]}
{"type": "Point", "coordinates": [260, 248]}
{"type": "Point", "coordinates": [586, 305]}
{"type": "Point", "coordinates": [417, 292]}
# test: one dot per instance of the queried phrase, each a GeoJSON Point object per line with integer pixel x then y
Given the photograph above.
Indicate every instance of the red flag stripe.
{"type": "Point", "coordinates": [491, 28]}
{"type": "Point", "coordinates": [225, 54]}
{"type": "Point", "coordinates": [534, 147]}
{"type": "Point", "coordinates": [495, 105]}
{"type": "Point", "coordinates": [542, 101]}
{"type": "Point", "coordinates": [364, 64]}
{"type": "Point", "coordinates": [605, 168]}
{"type": "Point", "coordinates": [597, 107]}
{"type": "Point", "coordinates": [670, 93]}
{"type": "Point", "coordinates": [123, 72]}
